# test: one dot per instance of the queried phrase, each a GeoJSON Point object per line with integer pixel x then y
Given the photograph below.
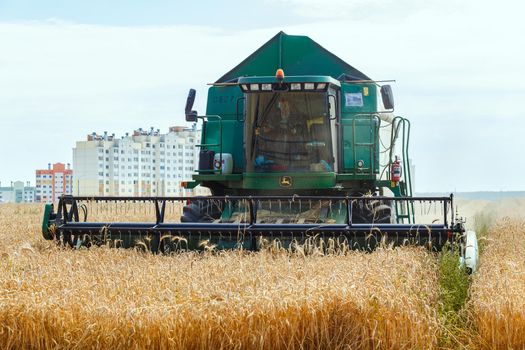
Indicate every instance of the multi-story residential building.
{"type": "Point", "coordinates": [146, 163]}
{"type": "Point", "coordinates": [17, 193]}
{"type": "Point", "coordinates": [53, 182]}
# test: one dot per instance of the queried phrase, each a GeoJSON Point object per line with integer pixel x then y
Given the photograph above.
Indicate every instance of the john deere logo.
{"type": "Point", "coordinates": [285, 181]}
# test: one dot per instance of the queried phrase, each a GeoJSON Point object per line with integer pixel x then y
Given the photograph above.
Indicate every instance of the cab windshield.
{"type": "Point", "coordinates": [288, 132]}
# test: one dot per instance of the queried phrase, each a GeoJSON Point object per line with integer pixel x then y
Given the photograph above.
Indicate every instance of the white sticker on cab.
{"type": "Point", "coordinates": [353, 99]}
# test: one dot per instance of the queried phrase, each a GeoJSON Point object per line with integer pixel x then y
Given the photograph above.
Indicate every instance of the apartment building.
{"type": "Point", "coordinates": [17, 192]}
{"type": "Point", "coordinates": [53, 182]}
{"type": "Point", "coordinates": [145, 163]}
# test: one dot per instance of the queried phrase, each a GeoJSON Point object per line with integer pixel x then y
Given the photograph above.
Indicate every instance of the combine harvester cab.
{"type": "Point", "coordinates": [298, 148]}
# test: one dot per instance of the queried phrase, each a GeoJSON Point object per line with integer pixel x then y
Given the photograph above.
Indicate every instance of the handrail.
{"type": "Point", "coordinates": [402, 124]}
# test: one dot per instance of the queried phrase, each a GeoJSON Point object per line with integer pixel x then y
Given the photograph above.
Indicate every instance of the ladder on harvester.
{"type": "Point", "coordinates": [404, 209]}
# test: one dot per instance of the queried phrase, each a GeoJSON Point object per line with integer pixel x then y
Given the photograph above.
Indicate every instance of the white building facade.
{"type": "Point", "coordinates": [146, 163]}
{"type": "Point", "coordinates": [17, 193]}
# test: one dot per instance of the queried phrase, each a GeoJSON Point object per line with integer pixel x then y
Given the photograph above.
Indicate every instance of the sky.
{"type": "Point", "coordinates": [68, 68]}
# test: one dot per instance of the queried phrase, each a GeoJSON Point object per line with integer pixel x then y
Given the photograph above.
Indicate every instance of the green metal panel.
{"type": "Point", "coordinates": [271, 181]}
{"type": "Point", "coordinates": [221, 177]}
{"type": "Point", "coordinates": [225, 102]}
{"type": "Point", "coordinates": [228, 180]}
{"type": "Point", "coordinates": [232, 139]}
{"type": "Point", "coordinates": [222, 101]}
{"type": "Point", "coordinates": [360, 133]}
{"type": "Point", "coordinates": [360, 143]}
{"type": "Point", "coordinates": [48, 208]}
{"type": "Point", "coordinates": [358, 98]}
{"type": "Point", "coordinates": [356, 178]}
{"type": "Point", "coordinates": [296, 55]}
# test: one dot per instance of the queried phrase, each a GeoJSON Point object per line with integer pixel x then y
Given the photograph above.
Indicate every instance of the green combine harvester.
{"type": "Point", "coordinates": [296, 145]}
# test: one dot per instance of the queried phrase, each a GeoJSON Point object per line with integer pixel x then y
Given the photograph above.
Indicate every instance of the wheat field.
{"type": "Point", "coordinates": [53, 297]}
{"type": "Point", "coordinates": [497, 301]}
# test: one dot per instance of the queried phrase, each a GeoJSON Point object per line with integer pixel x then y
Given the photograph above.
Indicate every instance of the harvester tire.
{"type": "Point", "coordinates": [376, 212]}
{"type": "Point", "coordinates": [382, 214]}
{"type": "Point", "coordinates": [201, 211]}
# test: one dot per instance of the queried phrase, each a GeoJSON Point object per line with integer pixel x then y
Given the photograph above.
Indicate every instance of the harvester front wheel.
{"type": "Point", "coordinates": [378, 212]}
{"type": "Point", "coordinates": [201, 211]}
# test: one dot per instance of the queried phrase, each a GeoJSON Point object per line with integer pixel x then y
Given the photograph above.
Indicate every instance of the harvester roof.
{"type": "Point", "coordinates": [296, 55]}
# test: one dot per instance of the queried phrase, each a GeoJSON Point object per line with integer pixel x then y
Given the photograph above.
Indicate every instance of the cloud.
{"type": "Point", "coordinates": [386, 10]}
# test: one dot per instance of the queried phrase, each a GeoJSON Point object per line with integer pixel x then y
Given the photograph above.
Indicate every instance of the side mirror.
{"type": "Point", "coordinates": [387, 96]}
{"type": "Point", "coordinates": [191, 115]}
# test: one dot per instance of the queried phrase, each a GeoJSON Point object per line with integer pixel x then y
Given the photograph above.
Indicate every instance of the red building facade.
{"type": "Point", "coordinates": [53, 182]}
